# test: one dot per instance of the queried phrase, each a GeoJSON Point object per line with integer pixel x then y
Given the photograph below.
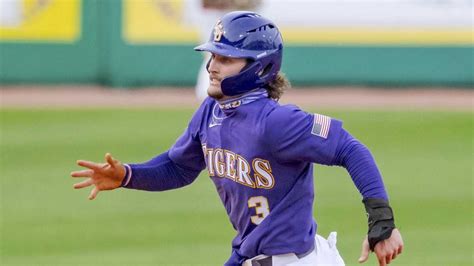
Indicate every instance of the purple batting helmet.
{"type": "Point", "coordinates": [244, 34]}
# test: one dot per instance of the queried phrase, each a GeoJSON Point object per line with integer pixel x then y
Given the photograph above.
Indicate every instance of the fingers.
{"type": "Point", "coordinates": [110, 160]}
{"type": "Point", "coordinates": [96, 172]}
{"type": "Point", "coordinates": [386, 252]}
{"type": "Point", "coordinates": [84, 183]}
{"type": "Point", "coordinates": [94, 193]}
{"type": "Point", "coordinates": [388, 258]}
{"type": "Point", "coordinates": [83, 173]}
{"type": "Point", "coordinates": [88, 164]}
{"type": "Point", "coordinates": [394, 256]}
{"type": "Point", "coordinates": [397, 252]}
{"type": "Point", "coordinates": [364, 255]}
{"type": "Point", "coordinates": [382, 261]}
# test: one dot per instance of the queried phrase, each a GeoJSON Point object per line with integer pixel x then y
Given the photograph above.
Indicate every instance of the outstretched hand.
{"type": "Point", "coordinates": [386, 250]}
{"type": "Point", "coordinates": [104, 176]}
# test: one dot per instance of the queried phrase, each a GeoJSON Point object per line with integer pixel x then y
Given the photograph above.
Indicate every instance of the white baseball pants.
{"type": "Point", "coordinates": [325, 253]}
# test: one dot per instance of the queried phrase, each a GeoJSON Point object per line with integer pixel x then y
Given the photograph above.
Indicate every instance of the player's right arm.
{"type": "Point", "coordinates": [177, 167]}
{"type": "Point", "coordinates": [158, 174]}
{"type": "Point", "coordinates": [161, 173]}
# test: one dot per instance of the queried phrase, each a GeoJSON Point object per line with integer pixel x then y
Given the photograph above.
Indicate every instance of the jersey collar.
{"type": "Point", "coordinates": [245, 98]}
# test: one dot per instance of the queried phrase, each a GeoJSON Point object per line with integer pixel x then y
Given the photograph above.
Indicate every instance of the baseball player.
{"type": "Point", "coordinates": [260, 156]}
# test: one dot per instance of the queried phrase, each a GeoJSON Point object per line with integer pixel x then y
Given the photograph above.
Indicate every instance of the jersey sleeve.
{"type": "Point", "coordinates": [187, 150]}
{"type": "Point", "coordinates": [295, 135]}
{"type": "Point", "coordinates": [359, 162]}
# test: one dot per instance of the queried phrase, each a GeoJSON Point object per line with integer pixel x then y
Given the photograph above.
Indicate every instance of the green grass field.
{"type": "Point", "coordinates": [425, 157]}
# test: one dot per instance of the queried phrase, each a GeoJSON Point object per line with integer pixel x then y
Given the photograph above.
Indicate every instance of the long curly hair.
{"type": "Point", "coordinates": [278, 86]}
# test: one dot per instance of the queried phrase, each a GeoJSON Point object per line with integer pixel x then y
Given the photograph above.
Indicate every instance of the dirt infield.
{"type": "Point", "coordinates": [319, 97]}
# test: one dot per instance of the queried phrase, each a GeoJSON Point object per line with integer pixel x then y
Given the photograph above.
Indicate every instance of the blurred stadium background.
{"type": "Point", "coordinates": [83, 77]}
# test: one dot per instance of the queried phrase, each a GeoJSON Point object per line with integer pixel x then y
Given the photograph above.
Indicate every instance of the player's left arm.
{"type": "Point", "coordinates": [382, 237]}
{"type": "Point", "coordinates": [320, 139]}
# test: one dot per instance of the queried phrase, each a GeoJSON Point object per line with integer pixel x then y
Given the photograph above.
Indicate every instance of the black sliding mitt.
{"type": "Point", "coordinates": [380, 219]}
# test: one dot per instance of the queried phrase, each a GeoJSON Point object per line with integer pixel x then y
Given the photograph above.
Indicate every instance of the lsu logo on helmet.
{"type": "Point", "coordinates": [218, 31]}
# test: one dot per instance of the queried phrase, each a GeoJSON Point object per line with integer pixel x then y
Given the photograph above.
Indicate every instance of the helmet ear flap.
{"type": "Point", "coordinates": [244, 81]}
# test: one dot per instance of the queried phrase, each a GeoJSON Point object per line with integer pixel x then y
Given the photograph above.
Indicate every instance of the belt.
{"type": "Point", "coordinates": [268, 260]}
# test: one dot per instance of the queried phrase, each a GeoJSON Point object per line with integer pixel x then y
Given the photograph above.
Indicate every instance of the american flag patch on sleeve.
{"type": "Point", "coordinates": [321, 126]}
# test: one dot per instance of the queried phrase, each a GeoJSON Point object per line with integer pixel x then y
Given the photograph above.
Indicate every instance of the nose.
{"type": "Point", "coordinates": [212, 65]}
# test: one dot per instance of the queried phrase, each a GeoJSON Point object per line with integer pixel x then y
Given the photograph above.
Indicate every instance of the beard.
{"type": "Point", "coordinates": [215, 94]}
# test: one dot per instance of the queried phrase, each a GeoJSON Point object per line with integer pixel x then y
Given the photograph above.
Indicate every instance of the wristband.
{"type": "Point", "coordinates": [128, 175]}
{"type": "Point", "coordinates": [380, 220]}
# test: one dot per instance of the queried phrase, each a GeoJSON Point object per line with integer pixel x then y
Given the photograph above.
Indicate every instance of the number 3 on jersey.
{"type": "Point", "coordinates": [262, 209]}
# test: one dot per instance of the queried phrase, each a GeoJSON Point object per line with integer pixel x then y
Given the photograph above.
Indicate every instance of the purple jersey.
{"type": "Point", "coordinates": [259, 155]}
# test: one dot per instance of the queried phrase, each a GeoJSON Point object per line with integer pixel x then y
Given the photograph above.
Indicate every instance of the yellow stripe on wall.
{"type": "Point", "coordinates": [161, 21]}
{"type": "Point", "coordinates": [378, 36]}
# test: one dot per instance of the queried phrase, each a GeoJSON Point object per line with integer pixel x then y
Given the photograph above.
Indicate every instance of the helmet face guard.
{"type": "Point", "coordinates": [243, 34]}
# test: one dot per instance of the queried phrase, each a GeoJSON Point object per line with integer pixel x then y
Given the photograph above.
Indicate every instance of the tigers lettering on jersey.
{"type": "Point", "coordinates": [227, 164]}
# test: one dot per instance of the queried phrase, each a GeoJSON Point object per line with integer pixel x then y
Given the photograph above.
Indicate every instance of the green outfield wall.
{"type": "Point", "coordinates": [99, 54]}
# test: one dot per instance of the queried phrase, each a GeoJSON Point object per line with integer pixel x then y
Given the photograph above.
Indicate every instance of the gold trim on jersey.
{"type": "Point", "coordinates": [243, 177]}
{"type": "Point", "coordinates": [263, 175]}
{"type": "Point", "coordinates": [210, 162]}
{"type": "Point", "coordinates": [228, 164]}
{"type": "Point", "coordinates": [219, 163]}
{"type": "Point", "coordinates": [230, 171]}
